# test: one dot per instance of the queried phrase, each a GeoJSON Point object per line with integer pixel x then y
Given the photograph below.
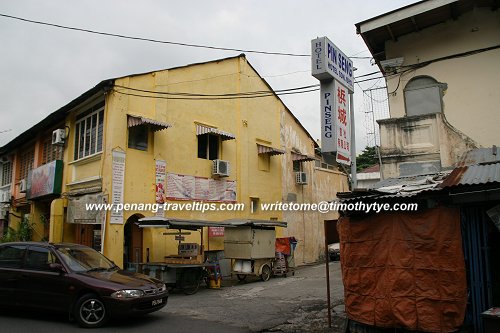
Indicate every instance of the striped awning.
{"type": "Point", "coordinates": [269, 150]}
{"type": "Point", "coordinates": [301, 157]}
{"type": "Point", "coordinates": [202, 129]}
{"type": "Point", "coordinates": [155, 125]}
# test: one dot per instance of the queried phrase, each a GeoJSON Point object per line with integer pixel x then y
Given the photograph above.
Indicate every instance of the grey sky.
{"type": "Point", "coordinates": [43, 68]}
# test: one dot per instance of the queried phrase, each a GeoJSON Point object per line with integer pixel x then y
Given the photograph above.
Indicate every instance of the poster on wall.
{"type": "Point", "coordinates": [230, 191]}
{"type": "Point", "coordinates": [160, 178]}
{"type": "Point", "coordinates": [118, 176]}
{"type": "Point", "coordinates": [184, 187]}
{"type": "Point", "coordinates": [202, 188]}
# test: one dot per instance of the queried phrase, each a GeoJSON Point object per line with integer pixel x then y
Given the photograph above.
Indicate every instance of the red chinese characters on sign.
{"type": "Point", "coordinates": [343, 125]}
{"type": "Point", "coordinates": [215, 231]}
{"type": "Point", "coordinates": [341, 96]}
{"type": "Point", "coordinates": [342, 116]}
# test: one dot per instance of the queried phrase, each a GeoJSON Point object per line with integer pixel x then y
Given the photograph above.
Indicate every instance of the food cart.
{"type": "Point", "coordinates": [186, 269]}
{"type": "Point", "coordinates": [251, 246]}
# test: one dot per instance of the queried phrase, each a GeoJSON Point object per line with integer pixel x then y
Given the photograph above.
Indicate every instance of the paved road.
{"type": "Point", "coordinates": [12, 321]}
{"type": "Point", "coordinates": [293, 303]}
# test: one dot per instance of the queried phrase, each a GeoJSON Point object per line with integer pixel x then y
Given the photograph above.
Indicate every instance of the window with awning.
{"type": "Point", "coordinates": [298, 158]}
{"type": "Point", "coordinates": [138, 130]}
{"type": "Point", "coordinates": [209, 140]}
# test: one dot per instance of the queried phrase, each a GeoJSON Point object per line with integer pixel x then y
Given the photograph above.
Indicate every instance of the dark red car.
{"type": "Point", "coordinates": [75, 279]}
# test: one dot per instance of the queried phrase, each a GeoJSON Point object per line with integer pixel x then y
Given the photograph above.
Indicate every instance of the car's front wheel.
{"type": "Point", "coordinates": [90, 311]}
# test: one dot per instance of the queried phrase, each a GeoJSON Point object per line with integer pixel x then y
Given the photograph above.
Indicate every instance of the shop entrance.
{"type": "Point", "coordinates": [89, 235]}
{"type": "Point", "coordinates": [132, 246]}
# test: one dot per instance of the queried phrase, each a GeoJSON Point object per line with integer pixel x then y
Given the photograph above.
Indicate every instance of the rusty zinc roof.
{"type": "Point", "coordinates": [480, 155]}
{"type": "Point", "coordinates": [478, 174]}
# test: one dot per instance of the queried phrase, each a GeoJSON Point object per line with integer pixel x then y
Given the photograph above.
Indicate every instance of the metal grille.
{"type": "Point", "coordinates": [26, 163]}
{"type": "Point", "coordinates": [51, 152]}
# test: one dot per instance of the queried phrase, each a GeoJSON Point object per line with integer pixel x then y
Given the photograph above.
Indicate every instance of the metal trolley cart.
{"type": "Point", "coordinates": [186, 269]}
{"type": "Point", "coordinates": [251, 246]}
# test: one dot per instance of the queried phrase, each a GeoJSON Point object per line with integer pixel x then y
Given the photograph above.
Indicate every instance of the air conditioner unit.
{"type": "Point", "coordinates": [4, 196]}
{"type": "Point", "coordinates": [300, 178]}
{"type": "Point", "coordinates": [58, 136]}
{"type": "Point", "coordinates": [220, 168]}
{"type": "Point", "coordinates": [22, 186]}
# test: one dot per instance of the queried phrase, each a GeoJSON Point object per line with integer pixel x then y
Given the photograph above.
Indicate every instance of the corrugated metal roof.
{"type": "Point", "coordinates": [480, 155]}
{"type": "Point", "coordinates": [478, 174]}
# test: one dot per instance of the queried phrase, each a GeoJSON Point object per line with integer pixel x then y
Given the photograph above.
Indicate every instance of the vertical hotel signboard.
{"type": "Point", "coordinates": [334, 70]}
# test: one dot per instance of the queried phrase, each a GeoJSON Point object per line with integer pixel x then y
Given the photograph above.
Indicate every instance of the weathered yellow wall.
{"type": "Point", "coordinates": [56, 221]}
{"type": "Point", "coordinates": [257, 120]}
{"type": "Point", "coordinates": [323, 185]}
{"type": "Point", "coordinates": [249, 120]}
{"type": "Point", "coordinates": [471, 100]}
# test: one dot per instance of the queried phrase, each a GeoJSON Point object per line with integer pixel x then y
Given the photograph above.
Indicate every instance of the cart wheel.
{"type": "Point", "coordinates": [190, 281]}
{"type": "Point", "coordinates": [266, 273]}
{"type": "Point", "coordinates": [241, 277]}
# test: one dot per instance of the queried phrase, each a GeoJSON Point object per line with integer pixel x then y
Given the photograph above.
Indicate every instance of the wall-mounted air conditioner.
{"type": "Point", "coordinates": [220, 168]}
{"type": "Point", "coordinates": [300, 178]}
{"type": "Point", "coordinates": [58, 136]}
{"type": "Point", "coordinates": [4, 196]}
{"type": "Point", "coordinates": [23, 186]}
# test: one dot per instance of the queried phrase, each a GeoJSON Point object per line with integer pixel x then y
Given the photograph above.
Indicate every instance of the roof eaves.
{"type": "Point", "coordinates": [54, 117]}
{"type": "Point", "coordinates": [400, 14]}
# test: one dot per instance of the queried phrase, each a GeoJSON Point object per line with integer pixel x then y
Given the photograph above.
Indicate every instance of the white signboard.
{"type": "Point", "coordinates": [328, 63]}
{"type": "Point", "coordinates": [328, 131]}
{"type": "Point", "coordinates": [343, 122]}
{"type": "Point", "coordinates": [117, 185]}
{"type": "Point", "coordinates": [160, 185]}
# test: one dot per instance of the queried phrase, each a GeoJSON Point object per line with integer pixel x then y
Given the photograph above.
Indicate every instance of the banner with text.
{"type": "Point", "coordinates": [118, 171]}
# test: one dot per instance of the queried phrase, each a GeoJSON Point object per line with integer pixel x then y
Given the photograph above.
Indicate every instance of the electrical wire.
{"type": "Point", "coordinates": [249, 93]}
{"type": "Point", "coordinates": [215, 98]}
{"type": "Point", "coordinates": [152, 40]}
{"type": "Point", "coordinates": [163, 41]}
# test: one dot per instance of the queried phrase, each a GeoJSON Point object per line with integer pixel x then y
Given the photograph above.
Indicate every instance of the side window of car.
{"type": "Point", "coordinates": [11, 256]}
{"type": "Point", "coordinates": [39, 258]}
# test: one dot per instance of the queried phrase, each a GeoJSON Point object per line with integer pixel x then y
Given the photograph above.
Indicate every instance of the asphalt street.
{"type": "Point", "coordinates": [292, 304]}
{"type": "Point", "coordinates": [13, 321]}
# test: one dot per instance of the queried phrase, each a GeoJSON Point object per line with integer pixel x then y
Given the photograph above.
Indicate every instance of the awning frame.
{"type": "Point", "coordinates": [261, 150]}
{"type": "Point", "coordinates": [155, 125]}
{"type": "Point", "coordinates": [302, 158]}
{"type": "Point", "coordinates": [204, 129]}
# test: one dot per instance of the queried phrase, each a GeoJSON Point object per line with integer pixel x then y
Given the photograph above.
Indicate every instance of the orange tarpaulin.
{"type": "Point", "coordinates": [404, 270]}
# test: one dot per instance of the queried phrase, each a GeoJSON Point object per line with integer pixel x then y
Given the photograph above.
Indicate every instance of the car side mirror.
{"type": "Point", "coordinates": [55, 267]}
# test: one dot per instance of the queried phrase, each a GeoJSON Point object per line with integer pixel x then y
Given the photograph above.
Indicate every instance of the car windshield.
{"type": "Point", "coordinates": [84, 259]}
